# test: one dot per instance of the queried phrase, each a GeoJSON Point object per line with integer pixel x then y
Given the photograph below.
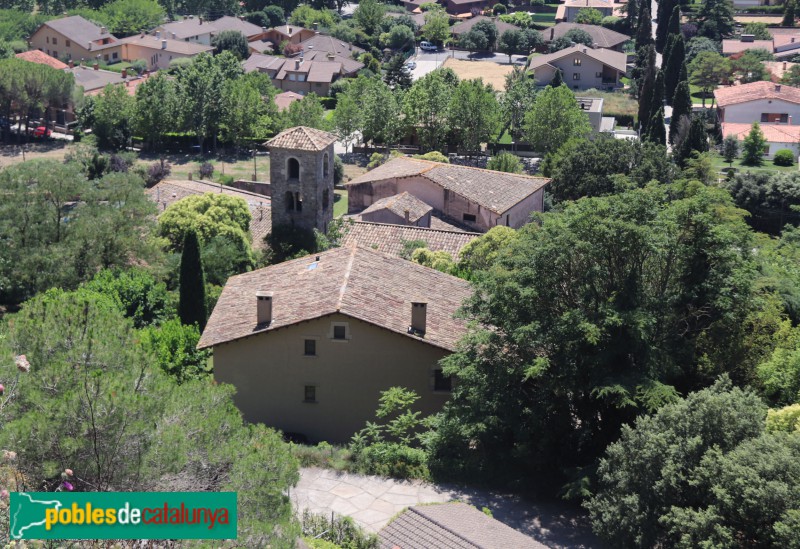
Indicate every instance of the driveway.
{"type": "Point", "coordinates": [372, 501]}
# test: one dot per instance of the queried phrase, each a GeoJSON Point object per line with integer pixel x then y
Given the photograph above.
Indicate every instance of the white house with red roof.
{"type": "Point", "coordinates": [762, 102]}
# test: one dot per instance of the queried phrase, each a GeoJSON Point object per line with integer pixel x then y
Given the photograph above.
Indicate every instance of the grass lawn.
{"type": "Point", "coordinates": [614, 102]}
{"type": "Point", "coordinates": [339, 203]}
{"type": "Point", "coordinates": [238, 167]}
{"type": "Point", "coordinates": [697, 95]}
{"type": "Point", "coordinates": [505, 139]}
{"type": "Point", "coordinates": [768, 166]}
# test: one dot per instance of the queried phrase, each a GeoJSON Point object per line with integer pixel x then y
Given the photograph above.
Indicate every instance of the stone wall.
{"type": "Point", "coordinates": [313, 188]}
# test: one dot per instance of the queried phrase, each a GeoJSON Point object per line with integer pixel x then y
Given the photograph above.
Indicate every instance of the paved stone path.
{"type": "Point", "coordinates": [372, 501]}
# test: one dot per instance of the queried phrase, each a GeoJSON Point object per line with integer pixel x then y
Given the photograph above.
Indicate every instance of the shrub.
{"type": "Point", "coordinates": [338, 170]}
{"type": "Point", "coordinates": [505, 162]}
{"type": "Point", "coordinates": [434, 156]}
{"type": "Point", "coordinates": [157, 171]}
{"type": "Point", "coordinates": [206, 170]}
{"type": "Point", "coordinates": [139, 65]}
{"type": "Point", "coordinates": [341, 531]}
{"type": "Point", "coordinates": [784, 157]}
{"type": "Point", "coordinates": [392, 459]}
{"type": "Point", "coordinates": [499, 9]}
{"type": "Point", "coordinates": [181, 63]}
{"type": "Point", "coordinates": [226, 180]}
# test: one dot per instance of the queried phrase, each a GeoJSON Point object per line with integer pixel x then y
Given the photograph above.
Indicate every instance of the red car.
{"type": "Point", "coordinates": [42, 131]}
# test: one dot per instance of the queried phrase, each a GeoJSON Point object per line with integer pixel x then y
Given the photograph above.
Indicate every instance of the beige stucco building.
{"type": "Point", "coordinates": [76, 38]}
{"type": "Point", "coordinates": [475, 198]}
{"type": "Point", "coordinates": [581, 67]}
{"type": "Point", "coordinates": [310, 344]}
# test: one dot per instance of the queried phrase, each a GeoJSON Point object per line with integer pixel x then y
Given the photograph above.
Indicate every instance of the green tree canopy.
{"type": "Point", "coordinates": [209, 215]}
{"type": "Point", "coordinates": [192, 284]}
{"type": "Point", "coordinates": [589, 16]}
{"type": "Point", "coordinates": [716, 19]}
{"type": "Point", "coordinates": [127, 17]}
{"type": "Point", "coordinates": [425, 106]}
{"type": "Point", "coordinates": [707, 70]}
{"type": "Point", "coordinates": [555, 374]}
{"type": "Point", "coordinates": [232, 41]}
{"type": "Point", "coordinates": [437, 26]}
{"type": "Point", "coordinates": [474, 114]}
{"type": "Point", "coordinates": [554, 119]}
{"type": "Point", "coordinates": [753, 146]}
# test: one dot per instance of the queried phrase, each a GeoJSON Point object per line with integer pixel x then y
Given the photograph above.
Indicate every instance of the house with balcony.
{"type": "Point", "coordinates": [581, 67]}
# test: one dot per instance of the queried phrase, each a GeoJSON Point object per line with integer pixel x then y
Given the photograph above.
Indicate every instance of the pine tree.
{"type": "Point", "coordinates": [558, 79]}
{"type": "Point", "coordinates": [788, 14]}
{"type": "Point", "coordinates": [664, 17]}
{"type": "Point", "coordinates": [681, 107]}
{"type": "Point", "coordinates": [192, 298]}
{"type": "Point", "coordinates": [656, 131]}
{"type": "Point", "coordinates": [674, 65]}
{"type": "Point", "coordinates": [644, 29]}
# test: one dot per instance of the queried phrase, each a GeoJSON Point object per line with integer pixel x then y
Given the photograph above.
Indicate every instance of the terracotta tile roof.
{"type": "Point", "coordinates": [358, 282]}
{"type": "Point", "coordinates": [234, 23]}
{"type": "Point", "coordinates": [602, 37]}
{"type": "Point", "coordinates": [453, 525]}
{"type": "Point", "coordinates": [736, 46]}
{"type": "Point", "coordinates": [168, 192]}
{"type": "Point", "coordinates": [260, 46]}
{"type": "Point", "coordinates": [79, 30]}
{"type": "Point", "coordinates": [289, 30]}
{"type": "Point", "coordinates": [41, 58]}
{"type": "Point", "coordinates": [187, 28]}
{"type": "Point", "coordinates": [323, 71]}
{"type": "Point", "coordinates": [733, 95]}
{"type": "Point", "coordinates": [302, 138]}
{"type": "Point", "coordinates": [399, 204]}
{"type": "Point", "coordinates": [326, 43]}
{"type": "Point", "coordinates": [466, 26]}
{"type": "Point", "coordinates": [283, 100]}
{"type": "Point", "coordinates": [614, 59]}
{"type": "Point", "coordinates": [389, 238]}
{"type": "Point", "coordinates": [349, 65]}
{"type": "Point", "coordinates": [774, 133]}
{"type": "Point", "coordinates": [495, 191]}
{"type": "Point", "coordinates": [264, 63]}
{"type": "Point", "coordinates": [95, 80]}
{"type": "Point", "coordinates": [173, 46]}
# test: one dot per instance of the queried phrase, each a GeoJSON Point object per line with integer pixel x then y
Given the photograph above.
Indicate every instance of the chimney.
{"type": "Point", "coordinates": [124, 73]}
{"type": "Point", "coordinates": [264, 30]}
{"type": "Point", "coordinates": [174, 36]}
{"type": "Point", "coordinates": [419, 313]}
{"type": "Point", "coordinates": [792, 40]}
{"type": "Point", "coordinates": [72, 64]}
{"type": "Point", "coordinates": [290, 31]}
{"type": "Point", "coordinates": [103, 30]}
{"type": "Point", "coordinates": [163, 44]}
{"type": "Point", "coordinates": [552, 33]}
{"type": "Point", "coordinates": [408, 217]}
{"type": "Point", "coordinates": [784, 65]}
{"type": "Point", "coordinates": [297, 63]}
{"type": "Point", "coordinates": [158, 34]}
{"type": "Point", "coordinates": [199, 20]}
{"type": "Point", "coordinates": [96, 66]}
{"type": "Point", "coordinates": [748, 38]}
{"type": "Point", "coordinates": [584, 50]}
{"type": "Point", "coordinates": [263, 307]}
{"type": "Point", "coordinates": [777, 87]}
{"type": "Point", "coordinates": [241, 18]}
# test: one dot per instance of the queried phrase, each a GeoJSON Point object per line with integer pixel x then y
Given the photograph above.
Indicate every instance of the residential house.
{"type": "Point", "coordinates": [601, 36]}
{"type": "Point", "coordinates": [569, 10]}
{"type": "Point", "coordinates": [41, 58]}
{"type": "Point", "coordinates": [76, 38]}
{"type": "Point", "coordinates": [93, 79]}
{"type": "Point", "coordinates": [764, 102]}
{"type": "Point", "coordinates": [291, 34]}
{"type": "Point", "coordinates": [159, 51]}
{"type": "Point", "coordinates": [285, 99]}
{"type": "Point", "coordinates": [191, 29]}
{"type": "Point", "coordinates": [318, 43]}
{"type": "Point", "coordinates": [465, 26]}
{"type": "Point", "coordinates": [400, 209]}
{"type": "Point", "coordinates": [303, 75]}
{"type": "Point", "coordinates": [414, 6]}
{"type": "Point", "coordinates": [778, 136]}
{"type": "Point", "coordinates": [592, 107]}
{"type": "Point", "coordinates": [455, 525]}
{"type": "Point", "coordinates": [391, 239]}
{"type": "Point", "coordinates": [582, 67]}
{"type": "Point", "coordinates": [167, 192]}
{"type": "Point", "coordinates": [460, 8]}
{"type": "Point", "coordinates": [249, 30]}
{"type": "Point", "coordinates": [309, 344]}
{"type": "Point", "coordinates": [478, 199]}
{"type": "Point", "coordinates": [746, 42]}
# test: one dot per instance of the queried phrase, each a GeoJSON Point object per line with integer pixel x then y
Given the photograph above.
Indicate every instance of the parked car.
{"type": "Point", "coordinates": [42, 131]}
{"type": "Point", "coordinates": [411, 65]}
{"type": "Point", "coordinates": [427, 46]}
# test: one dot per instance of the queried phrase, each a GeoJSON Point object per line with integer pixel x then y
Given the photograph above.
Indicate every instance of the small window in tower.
{"type": "Point", "coordinates": [298, 202]}
{"type": "Point", "coordinates": [325, 199]}
{"type": "Point", "coordinates": [289, 201]}
{"type": "Point", "coordinates": [294, 168]}
{"type": "Point", "coordinates": [325, 168]}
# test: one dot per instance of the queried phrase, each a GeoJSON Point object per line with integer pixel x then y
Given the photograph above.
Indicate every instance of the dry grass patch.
{"type": "Point", "coordinates": [492, 73]}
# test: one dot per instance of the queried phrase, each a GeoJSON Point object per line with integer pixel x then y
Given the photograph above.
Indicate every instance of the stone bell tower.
{"type": "Point", "coordinates": [301, 178]}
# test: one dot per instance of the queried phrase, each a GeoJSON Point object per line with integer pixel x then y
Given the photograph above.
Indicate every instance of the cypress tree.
{"type": "Point", "coordinates": [664, 17]}
{"type": "Point", "coordinates": [674, 64]}
{"type": "Point", "coordinates": [631, 15]}
{"type": "Point", "coordinates": [644, 30]}
{"type": "Point", "coordinates": [668, 50]}
{"type": "Point", "coordinates": [684, 74]}
{"type": "Point", "coordinates": [558, 79]}
{"type": "Point", "coordinates": [681, 106]}
{"type": "Point", "coordinates": [656, 131]}
{"type": "Point", "coordinates": [674, 26]}
{"type": "Point", "coordinates": [646, 94]}
{"type": "Point", "coordinates": [657, 99]}
{"type": "Point", "coordinates": [788, 14]}
{"type": "Point", "coordinates": [192, 298]}
{"type": "Point", "coordinates": [696, 140]}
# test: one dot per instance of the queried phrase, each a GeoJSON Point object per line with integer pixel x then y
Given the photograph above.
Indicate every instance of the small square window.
{"type": "Point", "coordinates": [598, 75]}
{"type": "Point", "coordinates": [469, 217]}
{"type": "Point", "coordinates": [442, 382]}
{"type": "Point", "coordinates": [310, 393]}
{"type": "Point", "coordinates": [339, 332]}
{"type": "Point", "coordinates": [576, 62]}
{"type": "Point", "coordinates": [310, 347]}
{"type": "Point", "coordinates": [68, 43]}
{"type": "Point", "coordinates": [576, 76]}
{"type": "Point", "coordinates": [55, 40]}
